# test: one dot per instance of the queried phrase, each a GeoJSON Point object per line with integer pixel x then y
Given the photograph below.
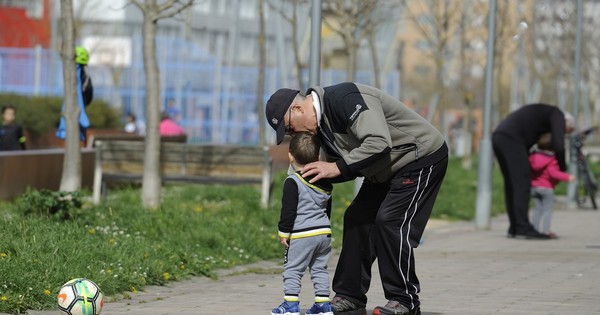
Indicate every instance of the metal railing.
{"type": "Point", "coordinates": [217, 103]}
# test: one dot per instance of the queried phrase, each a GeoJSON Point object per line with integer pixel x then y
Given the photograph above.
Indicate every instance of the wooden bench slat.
{"type": "Point", "coordinates": [189, 163]}
{"type": "Point", "coordinates": [186, 179]}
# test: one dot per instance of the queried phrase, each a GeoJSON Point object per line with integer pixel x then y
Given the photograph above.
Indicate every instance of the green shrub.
{"type": "Point", "coordinates": [39, 115]}
{"type": "Point", "coordinates": [57, 204]}
{"type": "Point", "coordinates": [103, 116]}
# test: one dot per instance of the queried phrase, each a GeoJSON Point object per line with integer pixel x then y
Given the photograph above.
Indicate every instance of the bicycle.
{"type": "Point", "coordinates": [587, 183]}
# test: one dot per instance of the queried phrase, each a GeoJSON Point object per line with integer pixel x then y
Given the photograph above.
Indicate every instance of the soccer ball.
{"type": "Point", "coordinates": [80, 297]}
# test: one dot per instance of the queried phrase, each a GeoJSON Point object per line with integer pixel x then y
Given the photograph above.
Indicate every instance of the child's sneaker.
{"type": "Point", "coordinates": [320, 309]}
{"type": "Point", "coordinates": [287, 308]}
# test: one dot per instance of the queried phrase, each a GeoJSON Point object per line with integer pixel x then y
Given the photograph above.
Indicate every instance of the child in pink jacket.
{"type": "Point", "coordinates": [545, 176]}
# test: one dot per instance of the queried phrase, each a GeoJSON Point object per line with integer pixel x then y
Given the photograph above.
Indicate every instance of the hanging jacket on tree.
{"type": "Point", "coordinates": [84, 121]}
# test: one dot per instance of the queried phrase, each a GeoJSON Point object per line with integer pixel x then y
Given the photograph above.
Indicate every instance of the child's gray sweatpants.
{"type": "Point", "coordinates": [312, 252]}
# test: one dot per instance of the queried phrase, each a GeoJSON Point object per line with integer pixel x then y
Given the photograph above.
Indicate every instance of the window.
{"type": "Point", "coordinates": [248, 9]}
{"type": "Point", "coordinates": [203, 6]}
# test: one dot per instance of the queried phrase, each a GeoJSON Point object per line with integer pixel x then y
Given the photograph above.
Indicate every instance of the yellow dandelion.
{"type": "Point", "coordinates": [199, 209]}
{"type": "Point", "coordinates": [47, 292]}
{"type": "Point", "coordinates": [134, 290]}
{"type": "Point", "coordinates": [3, 255]}
{"type": "Point", "coordinates": [4, 298]}
{"type": "Point", "coordinates": [166, 276]}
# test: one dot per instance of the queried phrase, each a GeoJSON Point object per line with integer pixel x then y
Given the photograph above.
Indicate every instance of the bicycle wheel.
{"type": "Point", "coordinates": [581, 193]}
{"type": "Point", "coordinates": [590, 188]}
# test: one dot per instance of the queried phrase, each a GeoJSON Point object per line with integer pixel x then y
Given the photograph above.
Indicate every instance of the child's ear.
{"type": "Point", "coordinates": [290, 157]}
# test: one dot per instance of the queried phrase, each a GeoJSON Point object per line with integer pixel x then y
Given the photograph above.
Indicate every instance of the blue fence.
{"type": "Point", "coordinates": [217, 103]}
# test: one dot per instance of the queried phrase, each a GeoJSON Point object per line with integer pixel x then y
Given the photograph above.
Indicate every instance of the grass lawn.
{"type": "Point", "coordinates": [199, 228]}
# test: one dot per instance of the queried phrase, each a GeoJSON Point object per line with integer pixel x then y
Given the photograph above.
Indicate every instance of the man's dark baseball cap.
{"type": "Point", "coordinates": [277, 106]}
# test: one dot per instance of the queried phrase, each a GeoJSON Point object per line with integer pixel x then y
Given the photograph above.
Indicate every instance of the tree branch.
{"type": "Point", "coordinates": [280, 11]}
{"type": "Point", "coordinates": [164, 12]}
{"type": "Point", "coordinates": [138, 4]}
{"type": "Point", "coordinates": [165, 6]}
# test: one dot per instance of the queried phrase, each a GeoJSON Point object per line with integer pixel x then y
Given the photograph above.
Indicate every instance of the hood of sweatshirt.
{"type": "Point", "coordinates": [320, 191]}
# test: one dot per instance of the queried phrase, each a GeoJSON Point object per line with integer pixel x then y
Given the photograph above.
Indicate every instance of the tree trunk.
{"type": "Point", "coordinates": [441, 90]}
{"type": "Point", "coordinates": [351, 62]}
{"type": "Point", "coordinates": [295, 46]}
{"type": "Point", "coordinates": [151, 181]}
{"type": "Point", "coordinates": [71, 175]}
{"type": "Point", "coordinates": [374, 59]}
{"type": "Point", "coordinates": [262, 63]}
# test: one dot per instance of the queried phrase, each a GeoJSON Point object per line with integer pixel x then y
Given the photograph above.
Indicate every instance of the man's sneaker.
{"type": "Point", "coordinates": [287, 308]}
{"type": "Point", "coordinates": [320, 309]}
{"type": "Point", "coordinates": [395, 308]}
{"type": "Point", "coordinates": [532, 235]}
{"type": "Point", "coordinates": [341, 306]}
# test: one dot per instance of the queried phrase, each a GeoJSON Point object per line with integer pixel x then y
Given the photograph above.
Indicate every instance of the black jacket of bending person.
{"type": "Point", "coordinates": [529, 122]}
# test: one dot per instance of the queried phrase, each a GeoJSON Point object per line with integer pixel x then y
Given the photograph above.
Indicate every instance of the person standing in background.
{"type": "Point", "coordinates": [546, 175]}
{"type": "Point", "coordinates": [11, 134]}
{"type": "Point", "coordinates": [133, 125]}
{"type": "Point", "coordinates": [173, 111]}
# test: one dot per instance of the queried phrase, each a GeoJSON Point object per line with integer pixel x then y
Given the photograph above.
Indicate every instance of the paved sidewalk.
{"type": "Point", "coordinates": [462, 271]}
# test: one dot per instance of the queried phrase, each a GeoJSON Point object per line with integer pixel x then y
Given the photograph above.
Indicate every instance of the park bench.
{"type": "Point", "coordinates": [123, 160]}
{"type": "Point", "coordinates": [121, 135]}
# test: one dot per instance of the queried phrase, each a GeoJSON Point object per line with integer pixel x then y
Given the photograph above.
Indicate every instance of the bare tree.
{"type": "Point", "coordinates": [504, 45]}
{"type": "Point", "coordinates": [371, 38]}
{"type": "Point", "coordinates": [71, 175]}
{"type": "Point", "coordinates": [471, 34]}
{"type": "Point", "coordinates": [380, 14]}
{"type": "Point", "coordinates": [554, 31]}
{"type": "Point", "coordinates": [292, 19]}
{"type": "Point", "coordinates": [351, 20]}
{"type": "Point", "coordinates": [438, 22]}
{"type": "Point", "coordinates": [153, 11]}
{"type": "Point", "coordinates": [465, 90]}
{"type": "Point", "coordinates": [79, 21]}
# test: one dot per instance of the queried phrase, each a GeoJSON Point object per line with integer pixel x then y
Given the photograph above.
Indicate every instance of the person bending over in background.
{"type": "Point", "coordinates": [512, 139]}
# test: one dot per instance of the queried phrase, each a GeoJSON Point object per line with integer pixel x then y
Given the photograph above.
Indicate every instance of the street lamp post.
{"type": "Point", "coordinates": [315, 43]}
{"type": "Point", "coordinates": [572, 187]}
{"type": "Point", "coordinates": [484, 182]}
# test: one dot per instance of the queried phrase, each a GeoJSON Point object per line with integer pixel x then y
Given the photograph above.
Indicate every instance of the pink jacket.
{"type": "Point", "coordinates": [170, 128]}
{"type": "Point", "coordinates": [545, 170]}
